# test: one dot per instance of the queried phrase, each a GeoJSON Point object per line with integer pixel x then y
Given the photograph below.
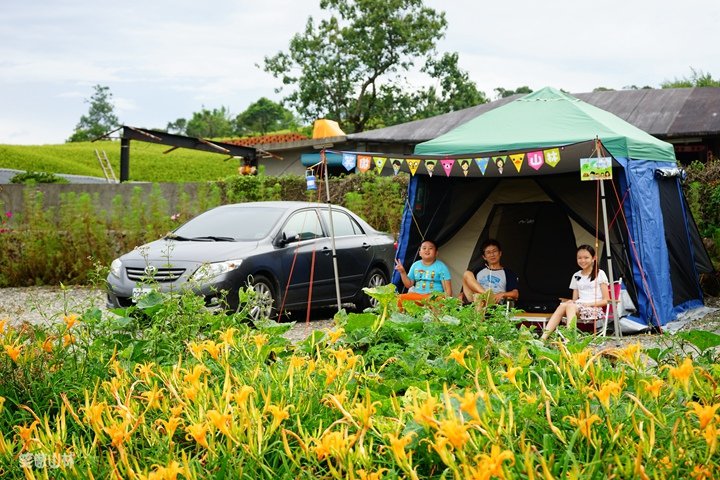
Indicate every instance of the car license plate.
{"type": "Point", "coordinates": [139, 292]}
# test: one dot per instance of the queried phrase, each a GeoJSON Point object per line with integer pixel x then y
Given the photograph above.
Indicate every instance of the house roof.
{"type": "Point", "coordinates": [673, 112]}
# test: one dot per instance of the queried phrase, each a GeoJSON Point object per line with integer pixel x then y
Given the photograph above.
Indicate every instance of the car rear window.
{"type": "Point", "coordinates": [241, 223]}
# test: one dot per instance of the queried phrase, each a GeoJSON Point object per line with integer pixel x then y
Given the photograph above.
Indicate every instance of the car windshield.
{"type": "Point", "coordinates": [238, 223]}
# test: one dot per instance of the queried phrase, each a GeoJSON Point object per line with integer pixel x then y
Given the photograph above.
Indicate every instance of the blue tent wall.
{"type": "Point", "coordinates": [644, 218]}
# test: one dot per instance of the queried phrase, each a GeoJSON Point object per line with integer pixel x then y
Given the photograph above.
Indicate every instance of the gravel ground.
{"type": "Point", "coordinates": [48, 304]}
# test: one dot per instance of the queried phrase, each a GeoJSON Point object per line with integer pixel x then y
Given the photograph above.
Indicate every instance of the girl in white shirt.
{"type": "Point", "coordinates": [590, 292]}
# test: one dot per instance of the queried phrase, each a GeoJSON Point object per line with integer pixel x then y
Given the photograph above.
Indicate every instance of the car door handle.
{"type": "Point", "coordinates": [326, 251]}
{"type": "Point", "coordinates": [366, 246]}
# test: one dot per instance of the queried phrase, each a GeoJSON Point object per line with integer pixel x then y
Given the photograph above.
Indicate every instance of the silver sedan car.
{"type": "Point", "coordinates": [284, 250]}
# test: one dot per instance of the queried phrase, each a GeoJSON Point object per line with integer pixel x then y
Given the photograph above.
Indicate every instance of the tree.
{"type": "Point", "coordinates": [262, 117]}
{"type": "Point", "coordinates": [697, 79]}
{"type": "Point", "coordinates": [210, 123]}
{"type": "Point", "coordinates": [179, 126]}
{"type": "Point", "coordinates": [100, 118]}
{"type": "Point", "coordinates": [351, 66]}
{"type": "Point", "coordinates": [503, 93]}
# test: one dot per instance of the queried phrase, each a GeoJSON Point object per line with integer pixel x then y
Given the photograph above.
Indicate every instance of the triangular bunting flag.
{"type": "Point", "coordinates": [379, 163]}
{"type": "Point", "coordinates": [535, 159]}
{"type": "Point", "coordinates": [465, 165]}
{"type": "Point", "coordinates": [348, 161]}
{"type": "Point", "coordinates": [364, 162]}
{"type": "Point", "coordinates": [482, 163]}
{"type": "Point", "coordinates": [447, 164]}
{"type": "Point", "coordinates": [396, 165]}
{"type": "Point", "coordinates": [430, 165]}
{"type": "Point", "coordinates": [500, 163]}
{"type": "Point", "coordinates": [517, 160]}
{"type": "Point", "coordinates": [552, 156]}
{"type": "Point", "coordinates": [413, 164]}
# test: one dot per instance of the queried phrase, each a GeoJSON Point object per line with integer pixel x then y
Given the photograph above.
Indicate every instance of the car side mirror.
{"type": "Point", "coordinates": [288, 237]}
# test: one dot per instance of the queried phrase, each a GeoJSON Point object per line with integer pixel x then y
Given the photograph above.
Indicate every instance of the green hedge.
{"type": "Point", "coordinates": [76, 240]}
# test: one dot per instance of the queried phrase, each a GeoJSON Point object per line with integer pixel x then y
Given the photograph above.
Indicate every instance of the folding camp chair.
{"type": "Point", "coordinates": [614, 306]}
{"type": "Point", "coordinates": [594, 325]}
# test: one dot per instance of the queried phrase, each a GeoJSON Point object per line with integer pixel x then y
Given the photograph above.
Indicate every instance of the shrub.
{"type": "Point", "coordinates": [32, 178]}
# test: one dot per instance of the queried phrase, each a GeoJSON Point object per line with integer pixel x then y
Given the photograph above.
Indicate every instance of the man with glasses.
{"type": "Point", "coordinates": [493, 283]}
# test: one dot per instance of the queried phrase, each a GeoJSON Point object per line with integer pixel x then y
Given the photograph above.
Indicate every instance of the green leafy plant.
{"type": "Point", "coordinates": [33, 178]}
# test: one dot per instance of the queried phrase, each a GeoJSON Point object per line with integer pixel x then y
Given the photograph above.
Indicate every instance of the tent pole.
{"type": "Point", "coordinates": [332, 229]}
{"type": "Point", "coordinates": [608, 249]}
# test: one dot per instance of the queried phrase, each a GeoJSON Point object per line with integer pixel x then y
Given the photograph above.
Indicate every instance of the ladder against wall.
{"type": "Point", "coordinates": [106, 166]}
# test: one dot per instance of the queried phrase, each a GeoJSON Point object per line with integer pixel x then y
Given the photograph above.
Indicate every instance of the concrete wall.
{"type": "Point", "coordinates": [12, 196]}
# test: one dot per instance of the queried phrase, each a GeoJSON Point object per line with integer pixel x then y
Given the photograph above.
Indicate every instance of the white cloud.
{"type": "Point", "coordinates": [167, 59]}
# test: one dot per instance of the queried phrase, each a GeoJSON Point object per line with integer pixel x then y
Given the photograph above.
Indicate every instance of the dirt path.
{"type": "Point", "coordinates": [48, 304]}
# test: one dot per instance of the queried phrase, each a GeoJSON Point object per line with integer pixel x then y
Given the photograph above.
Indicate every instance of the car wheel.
{"type": "Point", "coordinates": [376, 278]}
{"type": "Point", "coordinates": [264, 304]}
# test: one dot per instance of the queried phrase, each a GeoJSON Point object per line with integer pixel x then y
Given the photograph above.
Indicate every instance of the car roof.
{"type": "Point", "coordinates": [280, 203]}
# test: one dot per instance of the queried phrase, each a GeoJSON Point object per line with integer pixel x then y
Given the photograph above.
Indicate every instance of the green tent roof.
{"type": "Point", "coordinates": [547, 118]}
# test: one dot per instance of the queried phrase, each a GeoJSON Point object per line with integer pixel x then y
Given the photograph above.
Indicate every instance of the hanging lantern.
{"type": "Point", "coordinates": [310, 180]}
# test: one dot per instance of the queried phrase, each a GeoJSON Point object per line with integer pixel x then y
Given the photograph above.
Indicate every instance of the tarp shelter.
{"type": "Point", "coordinates": [514, 174]}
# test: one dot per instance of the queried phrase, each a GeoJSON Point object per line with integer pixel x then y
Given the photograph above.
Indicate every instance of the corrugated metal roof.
{"type": "Point", "coordinates": [671, 112]}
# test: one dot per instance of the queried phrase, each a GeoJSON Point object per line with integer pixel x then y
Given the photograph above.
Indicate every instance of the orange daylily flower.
{"type": "Point", "coordinates": [177, 410]}
{"type": "Point", "coordinates": [221, 421]}
{"type": "Point", "coordinates": [330, 443]}
{"type": "Point", "coordinates": [196, 349]}
{"type": "Point", "coordinates": [153, 396]}
{"type": "Point", "coordinates": [47, 344]}
{"type": "Point", "coordinates": [397, 445]}
{"type": "Point", "coordinates": [68, 339]}
{"type": "Point", "coordinates": [260, 339]}
{"type": "Point", "coordinates": [212, 348]}
{"type": "Point", "coordinates": [468, 403]}
{"type": "Point", "coordinates": [26, 433]}
{"type": "Point", "coordinates": [710, 433]}
{"type": "Point", "coordinates": [582, 357]}
{"type": "Point", "coordinates": [93, 413]}
{"type": "Point", "coordinates": [363, 475]}
{"type": "Point", "coordinates": [70, 320]}
{"type": "Point", "coordinates": [459, 355]}
{"type": "Point", "coordinates": [584, 422]}
{"type": "Point", "coordinates": [118, 433]}
{"type": "Point", "coordinates": [170, 425]}
{"type": "Point", "coordinates": [492, 465]}
{"type": "Point", "coordinates": [654, 388]}
{"type": "Point", "coordinates": [3, 324]}
{"type": "Point", "coordinates": [242, 395]}
{"type": "Point", "coordinates": [705, 413]}
{"type": "Point", "coordinates": [278, 413]}
{"type": "Point", "coordinates": [608, 389]}
{"type": "Point", "coordinates": [425, 413]}
{"type": "Point", "coordinates": [683, 372]}
{"type": "Point", "coordinates": [193, 377]}
{"type": "Point", "coordinates": [334, 335]}
{"type": "Point", "coordinates": [510, 374]}
{"type": "Point", "coordinates": [228, 336]}
{"type": "Point", "coordinates": [455, 431]}
{"type": "Point", "coordinates": [198, 432]}
{"type": "Point", "coordinates": [13, 351]}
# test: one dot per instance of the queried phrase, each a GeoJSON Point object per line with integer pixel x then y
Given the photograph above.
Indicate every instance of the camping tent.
{"type": "Point", "coordinates": [514, 173]}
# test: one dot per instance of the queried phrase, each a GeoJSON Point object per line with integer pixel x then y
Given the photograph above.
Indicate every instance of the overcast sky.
{"type": "Point", "coordinates": [164, 59]}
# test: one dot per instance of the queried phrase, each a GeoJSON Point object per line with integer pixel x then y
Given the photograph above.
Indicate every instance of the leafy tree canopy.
{"type": "Point", "coordinates": [100, 118]}
{"type": "Point", "coordinates": [264, 116]}
{"type": "Point", "coordinates": [352, 65]}
{"type": "Point", "coordinates": [210, 123]}
{"type": "Point", "coordinates": [179, 126]}
{"type": "Point", "coordinates": [504, 93]}
{"type": "Point", "coordinates": [698, 78]}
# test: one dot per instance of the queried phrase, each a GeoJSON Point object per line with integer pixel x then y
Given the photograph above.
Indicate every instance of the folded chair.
{"type": "Point", "coordinates": [592, 325]}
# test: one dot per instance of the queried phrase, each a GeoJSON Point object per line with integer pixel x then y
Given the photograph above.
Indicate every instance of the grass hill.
{"type": "Point", "coordinates": [147, 161]}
